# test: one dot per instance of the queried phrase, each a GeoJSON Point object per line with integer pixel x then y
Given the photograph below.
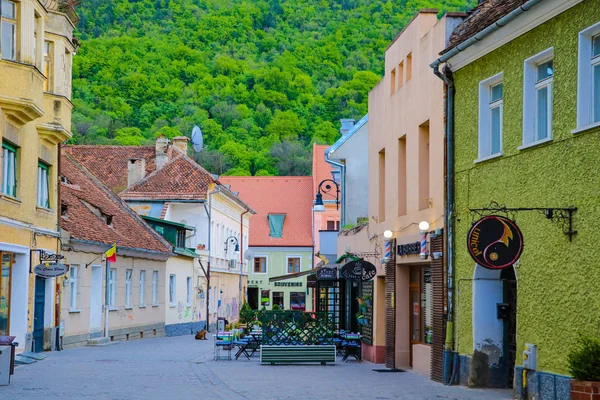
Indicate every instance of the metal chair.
{"type": "Point", "coordinates": [223, 344]}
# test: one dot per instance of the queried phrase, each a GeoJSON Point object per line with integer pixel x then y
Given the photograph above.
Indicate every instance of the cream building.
{"type": "Point", "coordinates": [35, 116]}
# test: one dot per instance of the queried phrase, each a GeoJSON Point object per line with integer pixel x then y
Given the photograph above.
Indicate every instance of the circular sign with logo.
{"type": "Point", "coordinates": [50, 270]}
{"type": "Point", "coordinates": [495, 242]}
{"type": "Point", "coordinates": [360, 270]}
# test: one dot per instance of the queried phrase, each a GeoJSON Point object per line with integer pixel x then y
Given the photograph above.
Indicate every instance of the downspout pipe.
{"type": "Point", "coordinates": [342, 168]}
{"type": "Point", "coordinates": [208, 211]}
{"type": "Point", "coordinates": [242, 299]}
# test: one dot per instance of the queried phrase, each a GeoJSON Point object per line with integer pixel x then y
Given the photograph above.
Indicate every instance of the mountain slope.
{"type": "Point", "coordinates": [261, 77]}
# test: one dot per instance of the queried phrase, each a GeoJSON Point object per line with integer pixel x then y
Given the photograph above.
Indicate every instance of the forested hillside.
{"type": "Point", "coordinates": [262, 78]}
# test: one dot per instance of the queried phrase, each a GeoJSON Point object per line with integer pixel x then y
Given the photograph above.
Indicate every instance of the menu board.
{"type": "Point", "coordinates": [367, 329]}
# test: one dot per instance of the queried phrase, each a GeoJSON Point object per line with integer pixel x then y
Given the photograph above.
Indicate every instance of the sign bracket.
{"type": "Point", "coordinates": [562, 216]}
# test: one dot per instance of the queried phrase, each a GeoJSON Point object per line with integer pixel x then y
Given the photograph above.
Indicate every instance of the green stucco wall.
{"type": "Point", "coordinates": [558, 281]}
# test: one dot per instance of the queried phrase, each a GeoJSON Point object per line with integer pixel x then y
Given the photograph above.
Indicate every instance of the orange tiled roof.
{"type": "Point", "coordinates": [180, 179]}
{"type": "Point", "coordinates": [86, 199]}
{"type": "Point", "coordinates": [109, 163]}
{"type": "Point", "coordinates": [289, 195]}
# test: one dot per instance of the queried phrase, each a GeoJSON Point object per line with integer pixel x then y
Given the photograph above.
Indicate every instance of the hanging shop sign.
{"type": "Point", "coordinates": [495, 242]}
{"type": "Point", "coordinates": [327, 274]}
{"type": "Point", "coordinates": [50, 270]}
{"type": "Point", "coordinates": [409, 248]}
{"type": "Point", "coordinates": [360, 270]}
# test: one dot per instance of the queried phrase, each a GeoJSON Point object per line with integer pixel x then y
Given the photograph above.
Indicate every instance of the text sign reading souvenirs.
{"type": "Point", "coordinates": [50, 270]}
{"type": "Point", "coordinates": [409, 248]}
{"type": "Point", "coordinates": [327, 274]}
{"type": "Point", "coordinates": [288, 283]}
{"type": "Point", "coordinates": [360, 270]}
{"type": "Point", "coordinates": [495, 242]}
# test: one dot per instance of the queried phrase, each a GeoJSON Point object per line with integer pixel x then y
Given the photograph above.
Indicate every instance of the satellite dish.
{"type": "Point", "coordinates": [197, 140]}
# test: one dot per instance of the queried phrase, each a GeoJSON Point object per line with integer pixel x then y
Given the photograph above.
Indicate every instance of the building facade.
{"type": "Point", "coordinates": [35, 116]}
{"type": "Point", "coordinates": [406, 188]}
{"type": "Point", "coordinates": [280, 239]}
{"type": "Point", "coordinates": [526, 125]}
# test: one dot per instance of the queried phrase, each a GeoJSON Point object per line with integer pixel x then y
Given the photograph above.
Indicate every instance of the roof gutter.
{"type": "Point", "coordinates": [486, 32]}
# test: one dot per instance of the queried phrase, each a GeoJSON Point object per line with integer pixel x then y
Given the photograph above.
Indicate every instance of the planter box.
{"type": "Point", "coordinates": [583, 390]}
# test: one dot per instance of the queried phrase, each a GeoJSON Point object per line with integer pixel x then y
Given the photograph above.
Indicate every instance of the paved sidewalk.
{"type": "Point", "coordinates": [181, 367]}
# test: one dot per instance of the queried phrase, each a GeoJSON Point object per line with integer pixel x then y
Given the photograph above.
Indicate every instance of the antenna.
{"type": "Point", "coordinates": [197, 139]}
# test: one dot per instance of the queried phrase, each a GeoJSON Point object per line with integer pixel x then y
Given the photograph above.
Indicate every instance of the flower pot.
{"type": "Point", "coordinates": [585, 390]}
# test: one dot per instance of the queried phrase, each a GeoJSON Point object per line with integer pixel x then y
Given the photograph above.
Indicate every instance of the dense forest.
{"type": "Point", "coordinates": [262, 78]}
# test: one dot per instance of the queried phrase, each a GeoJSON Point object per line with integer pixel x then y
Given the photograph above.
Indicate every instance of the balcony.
{"type": "Point", "coordinates": [64, 6]}
{"type": "Point", "coordinates": [21, 95]}
{"type": "Point", "coordinates": [55, 126]}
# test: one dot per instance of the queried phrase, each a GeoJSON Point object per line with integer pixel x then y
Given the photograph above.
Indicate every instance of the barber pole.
{"type": "Point", "coordinates": [423, 254]}
{"type": "Point", "coordinates": [388, 250]}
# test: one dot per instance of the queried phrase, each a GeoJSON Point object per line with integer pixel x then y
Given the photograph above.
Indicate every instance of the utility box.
{"type": "Point", "coordinates": [220, 324]}
{"type": "Point", "coordinates": [530, 357]}
{"type": "Point", "coordinates": [5, 364]}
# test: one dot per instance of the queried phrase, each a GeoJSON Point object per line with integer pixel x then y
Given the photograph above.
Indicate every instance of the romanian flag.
{"type": "Point", "coordinates": [111, 254]}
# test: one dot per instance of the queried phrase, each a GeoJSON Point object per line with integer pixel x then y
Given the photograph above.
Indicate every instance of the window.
{"type": "Point", "coordinates": [265, 299]}
{"type": "Point", "coordinates": [260, 265]}
{"type": "Point", "coordinates": [393, 82]}
{"type": "Point", "coordinates": [537, 98]}
{"type": "Point", "coordinates": [278, 299]}
{"type": "Point", "coordinates": [293, 264]}
{"type": "Point", "coordinates": [276, 225]}
{"type": "Point", "coordinates": [172, 290]}
{"type": "Point", "coordinates": [588, 85]}
{"type": "Point", "coordinates": [408, 67]}
{"type": "Point", "coordinates": [142, 288]}
{"type": "Point", "coordinates": [43, 199]}
{"type": "Point", "coordinates": [381, 186]}
{"type": "Point", "coordinates": [424, 199]}
{"type": "Point", "coordinates": [112, 285]}
{"type": "Point", "coordinates": [188, 297]}
{"type": "Point", "coordinates": [400, 74]}
{"type": "Point", "coordinates": [421, 304]}
{"type": "Point", "coordinates": [73, 275]}
{"type": "Point", "coordinates": [333, 225]}
{"type": "Point", "coordinates": [9, 169]}
{"type": "Point", "coordinates": [6, 263]}
{"type": "Point", "coordinates": [154, 288]}
{"type": "Point", "coordinates": [9, 30]}
{"type": "Point", "coordinates": [298, 301]}
{"type": "Point", "coordinates": [128, 274]}
{"type": "Point", "coordinates": [402, 196]}
{"type": "Point", "coordinates": [490, 117]}
{"type": "Point", "coordinates": [48, 66]}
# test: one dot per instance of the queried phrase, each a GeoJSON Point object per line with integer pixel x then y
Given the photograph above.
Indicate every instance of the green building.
{"type": "Point", "coordinates": [526, 110]}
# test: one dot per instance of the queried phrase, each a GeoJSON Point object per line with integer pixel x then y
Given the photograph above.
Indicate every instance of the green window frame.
{"type": "Point", "coordinates": [43, 185]}
{"type": "Point", "coordinates": [9, 169]}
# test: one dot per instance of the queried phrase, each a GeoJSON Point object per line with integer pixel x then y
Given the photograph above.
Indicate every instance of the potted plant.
{"type": "Point", "coordinates": [584, 365]}
{"type": "Point", "coordinates": [368, 300]}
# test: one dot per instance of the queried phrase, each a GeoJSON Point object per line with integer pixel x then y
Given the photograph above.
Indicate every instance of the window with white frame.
{"type": "Point", "coordinates": [128, 274]}
{"type": "Point", "coordinates": [112, 288]}
{"type": "Point", "coordinates": [73, 278]}
{"type": "Point", "coordinates": [43, 198]}
{"type": "Point", "coordinates": [142, 288]}
{"type": "Point", "coordinates": [490, 117]}
{"type": "Point", "coordinates": [8, 16]}
{"type": "Point", "coordinates": [172, 290]}
{"type": "Point", "coordinates": [588, 80]}
{"type": "Point", "coordinates": [188, 297]}
{"type": "Point", "coordinates": [9, 169]}
{"type": "Point", "coordinates": [260, 265]}
{"type": "Point", "coordinates": [537, 98]}
{"type": "Point", "coordinates": [293, 265]}
{"type": "Point", "coordinates": [154, 288]}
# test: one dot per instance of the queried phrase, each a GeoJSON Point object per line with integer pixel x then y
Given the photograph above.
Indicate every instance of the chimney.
{"type": "Point", "coordinates": [162, 143]}
{"type": "Point", "coordinates": [181, 142]}
{"type": "Point", "coordinates": [347, 125]}
{"type": "Point", "coordinates": [136, 170]}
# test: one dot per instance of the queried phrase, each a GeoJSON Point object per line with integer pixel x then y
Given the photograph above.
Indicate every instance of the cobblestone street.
{"type": "Point", "coordinates": [180, 367]}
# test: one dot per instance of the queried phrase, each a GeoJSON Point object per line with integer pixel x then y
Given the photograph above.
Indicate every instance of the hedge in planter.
{"type": "Point", "coordinates": [584, 366]}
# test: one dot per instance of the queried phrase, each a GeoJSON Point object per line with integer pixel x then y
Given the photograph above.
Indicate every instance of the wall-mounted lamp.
{"type": "Point", "coordinates": [388, 234]}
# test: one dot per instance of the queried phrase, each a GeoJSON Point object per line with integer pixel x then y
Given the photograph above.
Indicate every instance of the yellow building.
{"type": "Point", "coordinates": [35, 116]}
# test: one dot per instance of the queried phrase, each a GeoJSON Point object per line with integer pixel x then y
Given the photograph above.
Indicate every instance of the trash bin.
{"type": "Point", "coordinates": [5, 365]}
{"type": "Point", "coordinates": [9, 342]}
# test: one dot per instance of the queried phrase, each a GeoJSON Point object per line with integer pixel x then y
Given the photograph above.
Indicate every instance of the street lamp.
{"type": "Point", "coordinates": [232, 239]}
{"type": "Point", "coordinates": [319, 206]}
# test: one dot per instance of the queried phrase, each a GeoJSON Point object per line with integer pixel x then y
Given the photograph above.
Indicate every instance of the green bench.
{"type": "Point", "coordinates": [297, 354]}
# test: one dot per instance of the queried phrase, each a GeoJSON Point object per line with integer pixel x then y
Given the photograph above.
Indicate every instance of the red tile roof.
{"type": "Point", "coordinates": [109, 163]}
{"type": "Point", "coordinates": [289, 195]}
{"type": "Point", "coordinates": [480, 17]}
{"type": "Point", "coordinates": [86, 199]}
{"type": "Point", "coordinates": [180, 179]}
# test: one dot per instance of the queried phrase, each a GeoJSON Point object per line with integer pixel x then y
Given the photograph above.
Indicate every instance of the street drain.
{"type": "Point", "coordinates": [389, 370]}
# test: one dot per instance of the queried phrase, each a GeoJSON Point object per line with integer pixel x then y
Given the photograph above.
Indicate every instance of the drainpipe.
{"type": "Point", "coordinates": [242, 253]}
{"type": "Point", "coordinates": [342, 184]}
{"type": "Point", "coordinates": [449, 355]}
{"type": "Point", "coordinates": [209, 214]}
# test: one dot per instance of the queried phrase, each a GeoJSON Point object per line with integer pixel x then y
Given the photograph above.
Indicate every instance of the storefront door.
{"type": "Point", "coordinates": [38, 314]}
{"type": "Point", "coordinates": [5, 289]}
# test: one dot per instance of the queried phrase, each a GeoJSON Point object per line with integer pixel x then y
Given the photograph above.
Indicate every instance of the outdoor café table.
{"type": "Point", "coordinates": [351, 346]}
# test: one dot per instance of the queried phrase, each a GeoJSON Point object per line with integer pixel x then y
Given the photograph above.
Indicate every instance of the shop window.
{"type": "Point", "coordinates": [298, 301]}
{"type": "Point", "coordinates": [260, 265]}
{"type": "Point", "coordinates": [9, 169]}
{"type": "Point", "coordinates": [278, 299]}
{"type": "Point", "coordinates": [293, 265]}
{"type": "Point", "coordinates": [276, 225]}
{"type": "Point", "coordinates": [73, 279]}
{"type": "Point", "coordinates": [9, 30]}
{"type": "Point", "coordinates": [421, 304]}
{"type": "Point", "coordinates": [43, 196]}
{"type": "Point", "coordinates": [5, 285]}
{"type": "Point", "coordinates": [265, 298]}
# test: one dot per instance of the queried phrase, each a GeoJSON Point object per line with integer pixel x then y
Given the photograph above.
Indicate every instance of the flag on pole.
{"type": "Point", "coordinates": [111, 254]}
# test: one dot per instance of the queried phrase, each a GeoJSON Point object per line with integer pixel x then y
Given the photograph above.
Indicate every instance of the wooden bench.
{"type": "Point", "coordinates": [297, 354]}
